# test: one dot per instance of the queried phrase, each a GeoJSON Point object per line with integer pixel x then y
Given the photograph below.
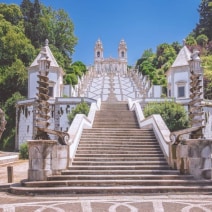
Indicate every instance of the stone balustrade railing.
{"type": "Point", "coordinates": [79, 123]}
{"type": "Point", "coordinates": [189, 156]}
{"type": "Point", "coordinates": [156, 123]}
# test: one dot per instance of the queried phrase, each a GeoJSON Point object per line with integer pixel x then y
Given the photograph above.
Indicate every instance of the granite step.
{"type": "Point", "coordinates": [109, 190]}
{"type": "Point", "coordinates": [117, 147]}
{"type": "Point", "coordinates": [109, 151]}
{"type": "Point", "coordinates": [156, 172]}
{"type": "Point", "coordinates": [117, 163]}
{"type": "Point", "coordinates": [134, 131]}
{"type": "Point", "coordinates": [121, 167]}
{"type": "Point", "coordinates": [115, 159]}
{"type": "Point", "coordinates": [114, 125]}
{"type": "Point", "coordinates": [117, 155]}
{"type": "Point", "coordinates": [106, 145]}
{"type": "Point", "coordinates": [120, 177]}
{"type": "Point", "coordinates": [121, 182]}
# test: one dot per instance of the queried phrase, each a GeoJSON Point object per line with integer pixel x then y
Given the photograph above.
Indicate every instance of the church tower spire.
{"type": "Point", "coordinates": [98, 50]}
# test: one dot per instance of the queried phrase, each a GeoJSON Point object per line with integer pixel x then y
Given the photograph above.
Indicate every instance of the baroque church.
{"type": "Point", "coordinates": [108, 79]}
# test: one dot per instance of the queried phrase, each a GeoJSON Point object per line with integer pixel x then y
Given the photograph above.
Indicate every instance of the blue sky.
{"type": "Point", "coordinates": [143, 24]}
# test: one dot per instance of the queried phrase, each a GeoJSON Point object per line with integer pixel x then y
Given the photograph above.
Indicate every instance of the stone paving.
{"type": "Point", "coordinates": [152, 203]}
{"type": "Point", "coordinates": [90, 203]}
{"type": "Point", "coordinates": [20, 168]}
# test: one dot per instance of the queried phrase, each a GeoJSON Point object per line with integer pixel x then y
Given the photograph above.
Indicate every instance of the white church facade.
{"type": "Point", "coordinates": [108, 65]}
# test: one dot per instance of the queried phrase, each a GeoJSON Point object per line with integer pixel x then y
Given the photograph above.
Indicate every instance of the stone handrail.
{"type": "Point", "coordinates": [156, 123]}
{"type": "Point", "coordinates": [175, 136]}
{"type": "Point", "coordinates": [79, 123]}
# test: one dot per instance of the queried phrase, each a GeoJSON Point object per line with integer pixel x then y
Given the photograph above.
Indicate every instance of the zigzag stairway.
{"type": "Point", "coordinates": [117, 157]}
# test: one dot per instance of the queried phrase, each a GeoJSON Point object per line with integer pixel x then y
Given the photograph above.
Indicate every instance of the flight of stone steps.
{"type": "Point", "coordinates": [116, 157]}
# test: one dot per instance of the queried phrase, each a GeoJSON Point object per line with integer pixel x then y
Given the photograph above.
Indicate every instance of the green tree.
{"type": "Point", "coordinates": [202, 40]}
{"type": "Point", "coordinates": [81, 66]}
{"type": "Point", "coordinates": [147, 55]}
{"type": "Point", "coordinates": [32, 12]}
{"type": "Point", "coordinates": [191, 41]}
{"type": "Point", "coordinates": [16, 53]}
{"type": "Point", "coordinates": [177, 46]}
{"type": "Point", "coordinates": [12, 14]}
{"type": "Point", "coordinates": [207, 67]}
{"type": "Point", "coordinates": [77, 69]}
{"type": "Point", "coordinates": [71, 79]}
{"type": "Point", "coordinates": [8, 137]}
{"type": "Point", "coordinates": [173, 114]}
{"type": "Point", "coordinates": [82, 108]}
{"type": "Point", "coordinates": [165, 53]}
{"type": "Point", "coordinates": [43, 22]}
{"type": "Point", "coordinates": [63, 31]}
{"type": "Point", "coordinates": [205, 22]}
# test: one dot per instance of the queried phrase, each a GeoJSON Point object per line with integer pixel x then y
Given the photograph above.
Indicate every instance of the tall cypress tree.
{"type": "Point", "coordinates": [26, 8]}
{"type": "Point", "coordinates": [32, 12]}
{"type": "Point", "coordinates": [35, 22]}
{"type": "Point", "coordinates": [205, 22]}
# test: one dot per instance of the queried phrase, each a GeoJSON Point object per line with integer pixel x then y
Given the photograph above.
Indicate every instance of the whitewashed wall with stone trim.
{"type": "Point", "coordinates": [62, 111]}
{"type": "Point", "coordinates": [59, 110]}
{"type": "Point", "coordinates": [64, 106]}
{"type": "Point", "coordinates": [24, 123]}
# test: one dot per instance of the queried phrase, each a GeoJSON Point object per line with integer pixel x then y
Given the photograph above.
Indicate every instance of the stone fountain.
{"type": "Point", "coordinates": [46, 156]}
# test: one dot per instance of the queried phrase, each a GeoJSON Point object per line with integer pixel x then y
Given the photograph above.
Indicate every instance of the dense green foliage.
{"type": "Point", "coordinates": [76, 69]}
{"type": "Point", "coordinates": [8, 141]}
{"type": "Point", "coordinates": [23, 30]}
{"type": "Point", "coordinates": [205, 22]}
{"type": "Point", "coordinates": [156, 64]}
{"type": "Point", "coordinates": [203, 36]}
{"type": "Point", "coordinates": [82, 108]}
{"type": "Point", "coordinates": [172, 113]}
{"type": "Point", "coordinates": [24, 152]}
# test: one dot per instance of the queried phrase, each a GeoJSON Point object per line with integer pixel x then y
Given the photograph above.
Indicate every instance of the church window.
{"type": "Point", "coordinates": [122, 54]}
{"type": "Point", "coordinates": [50, 92]}
{"type": "Point", "coordinates": [98, 54]}
{"type": "Point", "coordinates": [181, 91]}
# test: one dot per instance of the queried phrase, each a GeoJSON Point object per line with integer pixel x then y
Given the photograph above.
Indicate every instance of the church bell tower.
{"type": "Point", "coordinates": [122, 51]}
{"type": "Point", "coordinates": [98, 51]}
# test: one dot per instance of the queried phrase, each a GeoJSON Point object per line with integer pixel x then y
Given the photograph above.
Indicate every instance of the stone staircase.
{"type": "Point", "coordinates": [116, 157]}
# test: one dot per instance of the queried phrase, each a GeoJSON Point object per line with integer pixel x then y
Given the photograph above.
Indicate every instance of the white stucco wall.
{"type": "Point", "coordinates": [25, 125]}
{"type": "Point", "coordinates": [157, 91]}
{"type": "Point", "coordinates": [59, 110]}
{"type": "Point", "coordinates": [208, 122]}
{"type": "Point", "coordinates": [54, 76]}
{"type": "Point", "coordinates": [32, 84]}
